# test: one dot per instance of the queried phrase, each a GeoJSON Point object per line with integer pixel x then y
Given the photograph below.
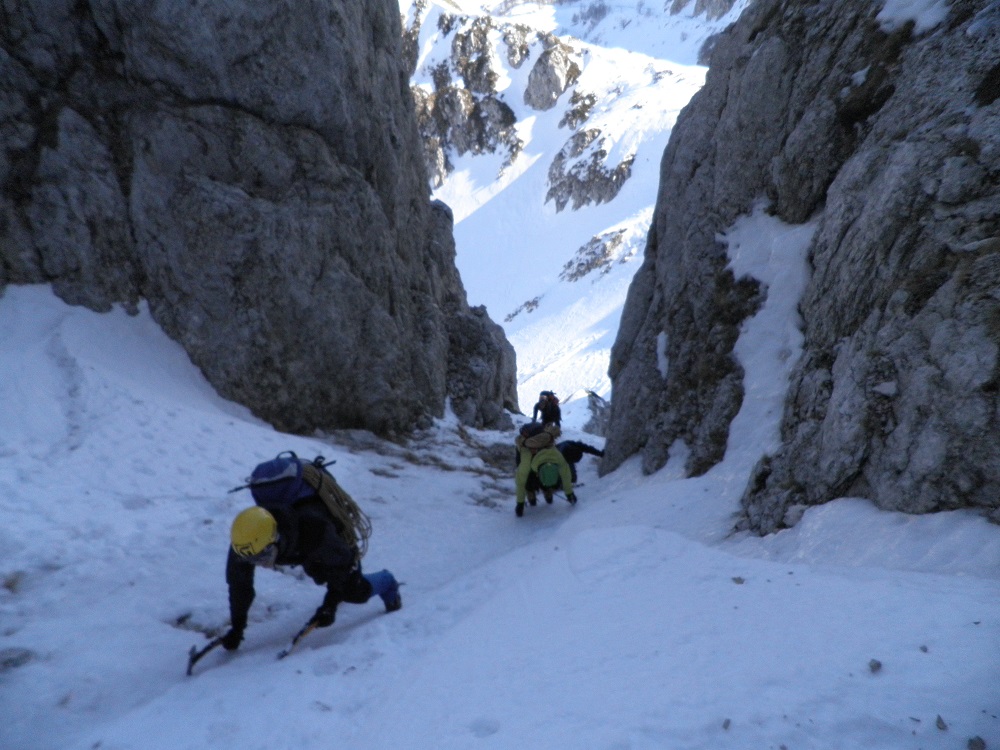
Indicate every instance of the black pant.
{"type": "Point", "coordinates": [357, 590]}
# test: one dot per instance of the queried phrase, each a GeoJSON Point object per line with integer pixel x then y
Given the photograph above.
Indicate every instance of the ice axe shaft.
{"type": "Point", "coordinates": [306, 630]}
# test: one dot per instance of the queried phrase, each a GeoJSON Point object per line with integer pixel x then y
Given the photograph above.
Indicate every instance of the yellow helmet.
{"type": "Point", "coordinates": [254, 529]}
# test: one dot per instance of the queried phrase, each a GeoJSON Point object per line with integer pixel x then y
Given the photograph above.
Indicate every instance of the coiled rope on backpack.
{"type": "Point", "coordinates": [355, 526]}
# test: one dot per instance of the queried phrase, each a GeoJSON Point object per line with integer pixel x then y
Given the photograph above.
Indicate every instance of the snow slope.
{"type": "Point", "coordinates": [635, 619]}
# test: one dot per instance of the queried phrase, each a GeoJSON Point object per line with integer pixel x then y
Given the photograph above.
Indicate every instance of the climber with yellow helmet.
{"type": "Point", "coordinates": [302, 532]}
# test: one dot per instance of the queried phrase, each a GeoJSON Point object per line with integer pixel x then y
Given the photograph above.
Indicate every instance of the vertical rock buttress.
{"type": "Point", "coordinates": [253, 172]}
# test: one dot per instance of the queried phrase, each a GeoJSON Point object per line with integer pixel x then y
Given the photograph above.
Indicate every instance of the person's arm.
{"type": "Point", "coordinates": [518, 447]}
{"type": "Point", "coordinates": [591, 450]}
{"type": "Point", "coordinates": [328, 561]}
{"type": "Point", "coordinates": [326, 613]}
{"type": "Point", "coordinates": [239, 577]}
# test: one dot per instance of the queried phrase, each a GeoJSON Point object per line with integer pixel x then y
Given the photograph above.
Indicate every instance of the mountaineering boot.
{"type": "Point", "coordinates": [519, 510]}
{"type": "Point", "coordinates": [548, 496]}
{"type": "Point", "coordinates": [384, 584]}
{"type": "Point", "coordinates": [532, 499]}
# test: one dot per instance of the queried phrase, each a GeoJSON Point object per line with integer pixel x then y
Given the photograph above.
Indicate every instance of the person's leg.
{"type": "Point", "coordinates": [357, 588]}
{"type": "Point", "coordinates": [521, 480]}
{"type": "Point", "coordinates": [531, 488]}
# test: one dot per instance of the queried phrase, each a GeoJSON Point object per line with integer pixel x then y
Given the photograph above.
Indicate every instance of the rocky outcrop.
{"type": "Point", "coordinates": [712, 9]}
{"type": "Point", "coordinates": [555, 70]}
{"type": "Point", "coordinates": [464, 113]}
{"type": "Point", "coordinates": [600, 410]}
{"type": "Point", "coordinates": [597, 255]}
{"type": "Point", "coordinates": [888, 135]}
{"type": "Point", "coordinates": [254, 173]}
{"type": "Point", "coordinates": [579, 174]}
{"type": "Point", "coordinates": [482, 366]}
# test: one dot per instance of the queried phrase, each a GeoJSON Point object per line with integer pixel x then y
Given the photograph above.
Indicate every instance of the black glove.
{"type": "Point", "coordinates": [325, 616]}
{"type": "Point", "coordinates": [231, 640]}
{"type": "Point", "coordinates": [572, 498]}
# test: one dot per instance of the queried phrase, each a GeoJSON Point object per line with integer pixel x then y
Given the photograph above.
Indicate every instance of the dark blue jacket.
{"type": "Point", "coordinates": [307, 536]}
{"type": "Point", "coordinates": [550, 411]}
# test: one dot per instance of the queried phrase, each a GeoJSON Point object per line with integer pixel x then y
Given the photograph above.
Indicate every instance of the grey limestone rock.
{"type": "Point", "coordinates": [554, 71]}
{"type": "Point", "coordinates": [599, 254]}
{"type": "Point", "coordinates": [465, 113]}
{"type": "Point", "coordinates": [254, 172]}
{"type": "Point", "coordinates": [585, 180]}
{"type": "Point", "coordinates": [599, 410]}
{"type": "Point", "coordinates": [711, 8]}
{"type": "Point", "coordinates": [888, 138]}
{"type": "Point", "coordinates": [482, 365]}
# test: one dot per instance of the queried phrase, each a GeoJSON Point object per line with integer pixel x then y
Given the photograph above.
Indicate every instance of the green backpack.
{"type": "Point", "coordinates": [548, 475]}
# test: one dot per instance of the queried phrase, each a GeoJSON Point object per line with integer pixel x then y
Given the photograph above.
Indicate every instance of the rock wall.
{"type": "Point", "coordinates": [254, 171]}
{"type": "Point", "coordinates": [887, 134]}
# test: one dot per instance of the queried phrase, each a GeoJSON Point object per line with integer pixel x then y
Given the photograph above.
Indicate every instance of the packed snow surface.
{"type": "Point", "coordinates": [636, 619]}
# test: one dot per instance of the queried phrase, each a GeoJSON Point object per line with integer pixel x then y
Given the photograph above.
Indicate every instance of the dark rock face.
{"type": "Point", "coordinates": [255, 173]}
{"type": "Point", "coordinates": [889, 138]}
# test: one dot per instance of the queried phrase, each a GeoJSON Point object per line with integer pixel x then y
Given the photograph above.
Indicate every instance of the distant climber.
{"type": "Point", "coordinates": [548, 408]}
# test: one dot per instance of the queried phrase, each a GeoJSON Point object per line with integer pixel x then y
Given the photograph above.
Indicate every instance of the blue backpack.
{"type": "Point", "coordinates": [281, 480]}
{"type": "Point", "coordinates": [287, 479]}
